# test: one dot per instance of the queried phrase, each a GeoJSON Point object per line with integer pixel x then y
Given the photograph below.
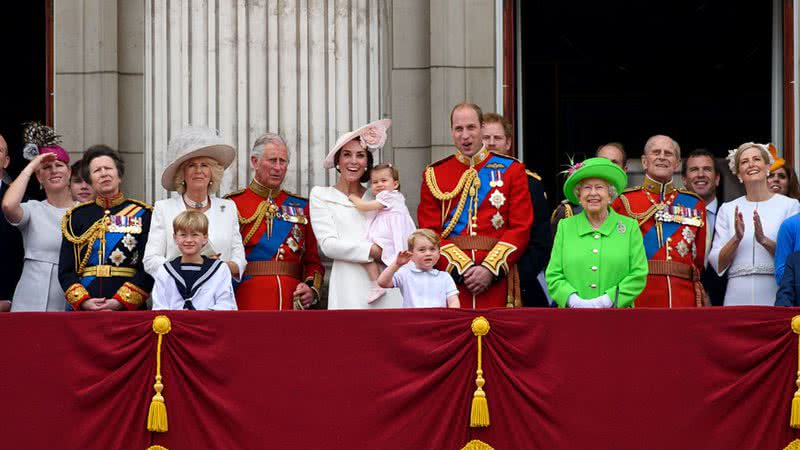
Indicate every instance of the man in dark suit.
{"type": "Point", "coordinates": [497, 135]}
{"type": "Point", "coordinates": [10, 241]}
{"type": "Point", "coordinates": [789, 290]}
{"type": "Point", "coordinates": [700, 175]}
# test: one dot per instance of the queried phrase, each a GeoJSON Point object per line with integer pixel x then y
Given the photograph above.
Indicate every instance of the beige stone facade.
{"type": "Point", "coordinates": [129, 73]}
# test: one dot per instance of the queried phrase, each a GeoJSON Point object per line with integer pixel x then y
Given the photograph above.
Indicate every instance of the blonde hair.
{"type": "Point", "coordinates": [190, 221]}
{"type": "Point", "coordinates": [179, 182]}
{"type": "Point", "coordinates": [423, 233]}
{"type": "Point", "coordinates": [390, 168]}
{"type": "Point", "coordinates": [736, 154]}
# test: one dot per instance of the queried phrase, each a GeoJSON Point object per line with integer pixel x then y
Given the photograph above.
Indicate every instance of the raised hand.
{"type": "Point", "coordinates": [403, 258]}
{"type": "Point", "coordinates": [739, 223]}
{"type": "Point", "coordinates": [758, 229]}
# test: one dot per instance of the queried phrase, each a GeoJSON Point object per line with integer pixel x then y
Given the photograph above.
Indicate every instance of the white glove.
{"type": "Point", "coordinates": [604, 301]}
{"type": "Point", "coordinates": [576, 302]}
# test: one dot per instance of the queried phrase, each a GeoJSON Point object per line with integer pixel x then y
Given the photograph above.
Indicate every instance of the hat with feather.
{"type": "Point", "coordinates": [40, 139]}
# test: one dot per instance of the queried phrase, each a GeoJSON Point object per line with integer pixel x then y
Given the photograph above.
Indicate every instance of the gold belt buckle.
{"type": "Point", "coordinates": [104, 271]}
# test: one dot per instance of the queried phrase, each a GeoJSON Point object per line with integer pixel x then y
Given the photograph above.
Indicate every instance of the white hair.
{"type": "Point", "coordinates": [675, 145]}
{"type": "Point", "coordinates": [612, 191]}
{"type": "Point", "coordinates": [263, 140]}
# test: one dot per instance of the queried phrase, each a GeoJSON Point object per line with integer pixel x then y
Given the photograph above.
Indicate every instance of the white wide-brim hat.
{"type": "Point", "coordinates": [195, 142]}
{"type": "Point", "coordinates": [373, 135]}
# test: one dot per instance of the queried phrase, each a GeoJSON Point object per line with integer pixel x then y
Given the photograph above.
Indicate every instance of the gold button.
{"type": "Point", "coordinates": [280, 256]}
{"type": "Point", "coordinates": [594, 286]}
{"type": "Point", "coordinates": [594, 268]}
{"type": "Point", "coordinates": [107, 212]}
{"type": "Point", "coordinates": [595, 251]}
{"type": "Point", "coordinates": [597, 236]}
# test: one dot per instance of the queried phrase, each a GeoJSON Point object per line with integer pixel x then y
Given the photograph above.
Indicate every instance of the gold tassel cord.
{"type": "Point", "coordinates": [794, 445]}
{"type": "Point", "coordinates": [157, 415]}
{"type": "Point", "coordinates": [479, 414]}
{"type": "Point", "coordinates": [157, 447]}
{"type": "Point", "coordinates": [475, 444]}
{"type": "Point", "coordinates": [794, 420]}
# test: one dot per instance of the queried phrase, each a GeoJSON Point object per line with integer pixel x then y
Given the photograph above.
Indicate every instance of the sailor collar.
{"type": "Point", "coordinates": [655, 187]}
{"type": "Point", "coordinates": [263, 191]}
{"type": "Point", "coordinates": [106, 202]}
{"type": "Point", "coordinates": [476, 159]}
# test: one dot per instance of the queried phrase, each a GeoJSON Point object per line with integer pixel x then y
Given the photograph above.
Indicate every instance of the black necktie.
{"type": "Point", "coordinates": [188, 305]}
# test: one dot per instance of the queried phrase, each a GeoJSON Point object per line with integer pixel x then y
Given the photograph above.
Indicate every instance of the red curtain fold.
{"type": "Point", "coordinates": [568, 379]}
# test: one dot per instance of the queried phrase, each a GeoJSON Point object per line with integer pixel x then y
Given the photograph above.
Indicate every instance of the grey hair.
{"type": "Point", "coordinates": [674, 144]}
{"type": "Point", "coordinates": [264, 139]}
{"type": "Point", "coordinates": [612, 191]}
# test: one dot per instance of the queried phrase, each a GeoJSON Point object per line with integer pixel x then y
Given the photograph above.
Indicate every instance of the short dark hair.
{"type": "Point", "coordinates": [618, 146]}
{"type": "Point", "coordinates": [96, 151]}
{"type": "Point", "coordinates": [370, 162]}
{"type": "Point", "coordinates": [497, 118]}
{"type": "Point", "coordinates": [76, 170]}
{"type": "Point", "coordinates": [697, 153]}
{"type": "Point", "coordinates": [470, 105]}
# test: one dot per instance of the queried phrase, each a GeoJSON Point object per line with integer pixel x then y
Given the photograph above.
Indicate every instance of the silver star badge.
{"type": "Point", "coordinates": [497, 199]}
{"type": "Point", "coordinates": [117, 257]}
{"type": "Point", "coordinates": [497, 221]}
{"type": "Point", "coordinates": [129, 242]}
{"type": "Point", "coordinates": [683, 248]}
{"type": "Point", "coordinates": [688, 235]}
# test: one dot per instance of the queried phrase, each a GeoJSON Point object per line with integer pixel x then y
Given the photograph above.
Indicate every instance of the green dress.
{"type": "Point", "coordinates": [587, 262]}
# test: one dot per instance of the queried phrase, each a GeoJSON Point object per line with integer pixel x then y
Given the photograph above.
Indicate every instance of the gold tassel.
{"type": "Point", "coordinates": [794, 445]}
{"type": "Point", "coordinates": [479, 415]}
{"type": "Point", "coordinates": [157, 447]}
{"type": "Point", "coordinates": [157, 416]}
{"type": "Point", "coordinates": [477, 445]}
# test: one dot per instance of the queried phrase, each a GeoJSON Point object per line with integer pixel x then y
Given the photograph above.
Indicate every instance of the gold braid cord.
{"type": "Point", "coordinates": [87, 239]}
{"type": "Point", "coordinates": [479, 414]}
{"type": "Point", "coordinates": [640, 217]}
{"type": "Point", "coordinates": [467, 186]}
{"type": "Point", "coordinates": [257, 217]}
{"type": "Point", "coordinates": [477, 445]}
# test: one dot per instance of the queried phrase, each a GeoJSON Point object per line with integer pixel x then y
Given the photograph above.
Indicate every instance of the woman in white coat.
{"type": "Point", "coordinates": [341, 229]}
{"type": "Point", "coordinates": [201, 157]}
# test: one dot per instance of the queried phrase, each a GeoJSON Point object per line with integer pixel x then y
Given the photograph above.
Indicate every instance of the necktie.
{"type": "Point", "coordinates": [188, 305]}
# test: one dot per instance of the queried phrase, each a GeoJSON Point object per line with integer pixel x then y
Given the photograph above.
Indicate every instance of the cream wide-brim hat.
{"type": "Point", "coordinates": [195, 142]}
{"type": "Point", "coordinates": [382, 124]}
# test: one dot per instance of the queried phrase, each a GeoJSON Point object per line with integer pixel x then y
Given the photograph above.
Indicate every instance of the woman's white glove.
{"type": "Point", "coordinates": [576, 302]}
{"type": "Point", "coordinates": [604, 301]}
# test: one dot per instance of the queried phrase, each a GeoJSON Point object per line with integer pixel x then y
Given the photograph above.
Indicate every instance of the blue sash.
{"type": "Point", "coordinates": [485, 175]}
{"type": "Point", "coordinates": [112, 239]}
{"type": "Point", "coordinates": [267, 248]}
{"type": "Point", "coordinates": [669, 228]}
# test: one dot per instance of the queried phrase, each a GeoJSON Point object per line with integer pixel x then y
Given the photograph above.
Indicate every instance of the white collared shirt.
{"type": "Point", "coordinates": [424, 288]}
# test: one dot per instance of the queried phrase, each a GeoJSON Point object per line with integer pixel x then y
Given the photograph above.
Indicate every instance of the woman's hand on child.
{"type": "Point", "coordinates": [403, 258]}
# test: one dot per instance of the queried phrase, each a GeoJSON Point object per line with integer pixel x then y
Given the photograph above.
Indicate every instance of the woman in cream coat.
{"type": "Point", "coordinates": [201, 157]}
{"type": "Point", "coordinates": [341, 229]}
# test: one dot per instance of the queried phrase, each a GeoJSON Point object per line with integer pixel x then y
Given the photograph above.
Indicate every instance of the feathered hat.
{"type": "Point", "coordinates": [40, 139]}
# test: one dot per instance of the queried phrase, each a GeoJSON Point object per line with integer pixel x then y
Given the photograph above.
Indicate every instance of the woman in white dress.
{"type": "Point", "coordinates": [746, 230]}
{"type": "Point", "coordinates": [201, 157]}
{"type": "Point", "coordinates": [341, 229]}
{"type": "Point", "coordinates": [39, 222]}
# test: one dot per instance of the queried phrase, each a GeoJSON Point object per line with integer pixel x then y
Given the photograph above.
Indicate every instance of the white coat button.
{"type": "Point", "coordinates": [597, 236]}
{"type": "Point", "coordinates": [594, 286]}
{"type": "Point", "coordinates": [594, 268]}
{"type": "Point", "coordinates": [595, 251]}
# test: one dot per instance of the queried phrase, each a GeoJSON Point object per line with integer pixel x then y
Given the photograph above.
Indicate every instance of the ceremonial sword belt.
{"type": "Point", "coordinates": [673, 269]}
{"type": "Point", "coordinates": [267, 268]}
{"type": "Point", "coordinates": [106, 271]}
{"type": "Point", "coordinates": [485, 243]}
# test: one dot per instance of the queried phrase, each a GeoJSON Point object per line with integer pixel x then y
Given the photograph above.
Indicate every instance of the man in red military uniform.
{"type": "Point", "coordinates": [478, 201]}
{"type": "Point", "coordinates": [283, 266]}
{"type": "Point", "coordinates": [673, 226]}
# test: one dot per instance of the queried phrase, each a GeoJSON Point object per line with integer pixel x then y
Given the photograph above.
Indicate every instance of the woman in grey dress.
{"type": "Point", "coordinates": [39, 222]}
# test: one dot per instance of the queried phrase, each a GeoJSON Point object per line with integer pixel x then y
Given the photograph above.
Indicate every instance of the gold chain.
{"type": "Point", "coordinates": [87, 239]}
{"type": "Point", "coordinates": [430, 180]}
{"type": "Point", "coordinates": [469, 189]}
{"type": "Point", "coordinates": [257, 217]}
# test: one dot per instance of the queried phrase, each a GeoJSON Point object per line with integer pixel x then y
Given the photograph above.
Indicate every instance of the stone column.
{"type": "Point", "coordinates": [307, 69]}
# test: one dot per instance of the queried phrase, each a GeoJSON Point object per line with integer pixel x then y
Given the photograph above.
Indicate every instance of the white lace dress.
{"type": "Point", "coordinates": [751, 275]}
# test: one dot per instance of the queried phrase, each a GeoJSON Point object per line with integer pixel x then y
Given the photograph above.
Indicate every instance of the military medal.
{"type": "Point", "coordinates": [117, 257]}
{"type": "Point", "coordinates": [688, 235]}
{"type": "Point", "coordinates": [621, 228]}
{"type": "Point", "coordinates": [497, 221]}
{"type": "Point", "coordinates": [497, 199]}
{"type": "Point", "coordinates": [297, 233]}
{"type": "Point", "coordinates": [292, 244]}
{"type": "Point", "coordinates": [129, 242]}
{"type": "Point", "coordinates": [683, 248]}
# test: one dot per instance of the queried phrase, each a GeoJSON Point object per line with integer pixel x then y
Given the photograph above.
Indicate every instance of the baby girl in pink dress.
{"type": "Point", "coordinates": [391, 224]}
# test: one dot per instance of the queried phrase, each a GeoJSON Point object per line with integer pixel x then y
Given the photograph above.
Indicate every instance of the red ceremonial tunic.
{"type": "Point", "coordinates": [672, 222]}
{"type": "Point", "coordinates": [281, 251]}
{"type": "Point", "coordinates": [481, 207]}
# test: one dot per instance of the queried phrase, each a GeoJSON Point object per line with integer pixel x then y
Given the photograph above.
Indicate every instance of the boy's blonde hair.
{"type": "Point", "coordinates": [423, 233]}
{"type": "Point", "coordinates": [190, 221]}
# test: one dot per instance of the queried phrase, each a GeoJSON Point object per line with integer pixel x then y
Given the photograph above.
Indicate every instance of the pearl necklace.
{"type": "Point", "coordinates": [194, 204]}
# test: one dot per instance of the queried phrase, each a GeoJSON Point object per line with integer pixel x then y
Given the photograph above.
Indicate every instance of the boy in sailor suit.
{"type": "Point", "coordinates": [193, 281]}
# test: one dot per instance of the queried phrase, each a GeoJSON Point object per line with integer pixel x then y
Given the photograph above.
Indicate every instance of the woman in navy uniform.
{"type": "Point", "coordinates": [101, 254]}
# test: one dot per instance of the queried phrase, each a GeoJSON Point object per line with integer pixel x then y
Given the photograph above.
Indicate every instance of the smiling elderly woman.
{"type": "Point", "coordinates": [598, 258]}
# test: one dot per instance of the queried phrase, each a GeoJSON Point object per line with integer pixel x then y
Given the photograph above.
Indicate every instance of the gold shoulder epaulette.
{"type": "Point", "coordinates": [688, 192]}
{"type": "Point", "coordinates": [231, 194]}
{"type": "Point", "coordinates": [141, 203]}
{"type": "Point", "coordinates": [436, 163]}
{"type": "Point", "coordinates": [292, 194]}
{"type": "Point", "coordinates": [533, 175]}
{"type": "Point", "coordinates": [631, 189]}
{"type": "Point", "coordinates": [69, 211]}
{"type": "Point", "coordinates": [506, 156]}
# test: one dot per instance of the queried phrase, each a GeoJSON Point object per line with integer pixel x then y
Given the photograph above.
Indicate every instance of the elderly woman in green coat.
{"type": "Point", "coordinates": [598, 258]}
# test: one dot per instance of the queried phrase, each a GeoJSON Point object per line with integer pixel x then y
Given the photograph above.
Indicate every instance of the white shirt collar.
{"type": "Point", "coordinates": [413, 267]}
{"type": "Point", "coordinates": [712, 206]}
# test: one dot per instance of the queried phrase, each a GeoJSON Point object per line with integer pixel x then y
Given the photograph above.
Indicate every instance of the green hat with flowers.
{"type": "Point", "coordinates": [594, 168]}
